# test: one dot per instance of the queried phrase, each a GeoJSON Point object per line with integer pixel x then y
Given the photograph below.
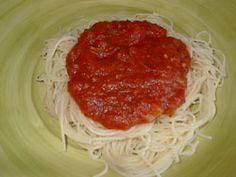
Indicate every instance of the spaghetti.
{"type": "Point", "coordinates": [146, 149]}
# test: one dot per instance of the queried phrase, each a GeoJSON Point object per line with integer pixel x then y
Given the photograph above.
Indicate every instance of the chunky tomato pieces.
{"type": "Point", "coordinates": [125, 73]}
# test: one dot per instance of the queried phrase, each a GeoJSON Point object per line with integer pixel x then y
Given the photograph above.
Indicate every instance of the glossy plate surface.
{"type": "Point", "coordinates": [30, 144]}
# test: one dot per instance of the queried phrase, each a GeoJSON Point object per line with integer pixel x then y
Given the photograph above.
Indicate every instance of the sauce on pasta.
{"type": "Point", "coordinates": [125, 73]}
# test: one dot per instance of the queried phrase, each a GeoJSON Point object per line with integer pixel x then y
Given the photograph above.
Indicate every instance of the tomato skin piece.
{"type": "Point", "coordinates": [125, 73]}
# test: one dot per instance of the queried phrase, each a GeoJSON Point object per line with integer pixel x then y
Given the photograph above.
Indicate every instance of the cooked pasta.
{"type": "Point", "coordinates": [147, 149]}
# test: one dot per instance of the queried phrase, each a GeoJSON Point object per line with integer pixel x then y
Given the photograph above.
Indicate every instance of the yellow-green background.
{"type": "Point", "coordinates": [30, 143]}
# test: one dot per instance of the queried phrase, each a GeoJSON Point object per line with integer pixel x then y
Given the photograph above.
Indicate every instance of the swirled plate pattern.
{"type": "Point", "coordinates": [30, 144]}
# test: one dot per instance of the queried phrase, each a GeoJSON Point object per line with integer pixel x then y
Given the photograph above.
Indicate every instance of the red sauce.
{"type": "Point", "coordinates": [125, 73]}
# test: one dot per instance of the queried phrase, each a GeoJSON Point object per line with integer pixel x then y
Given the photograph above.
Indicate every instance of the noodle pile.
{"type": "Point", "coordinates": [148, 149]}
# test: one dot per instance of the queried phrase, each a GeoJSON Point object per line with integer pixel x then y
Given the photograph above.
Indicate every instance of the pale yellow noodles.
{"type": "Point", "coordinates": [144, 150]}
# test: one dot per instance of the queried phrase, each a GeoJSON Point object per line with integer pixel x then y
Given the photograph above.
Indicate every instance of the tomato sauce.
{"type": "Point", "coordinates": [125, 73]}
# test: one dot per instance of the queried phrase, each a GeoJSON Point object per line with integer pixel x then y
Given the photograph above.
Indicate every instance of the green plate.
{"type": "Point", "coordinates": [30, 144]}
